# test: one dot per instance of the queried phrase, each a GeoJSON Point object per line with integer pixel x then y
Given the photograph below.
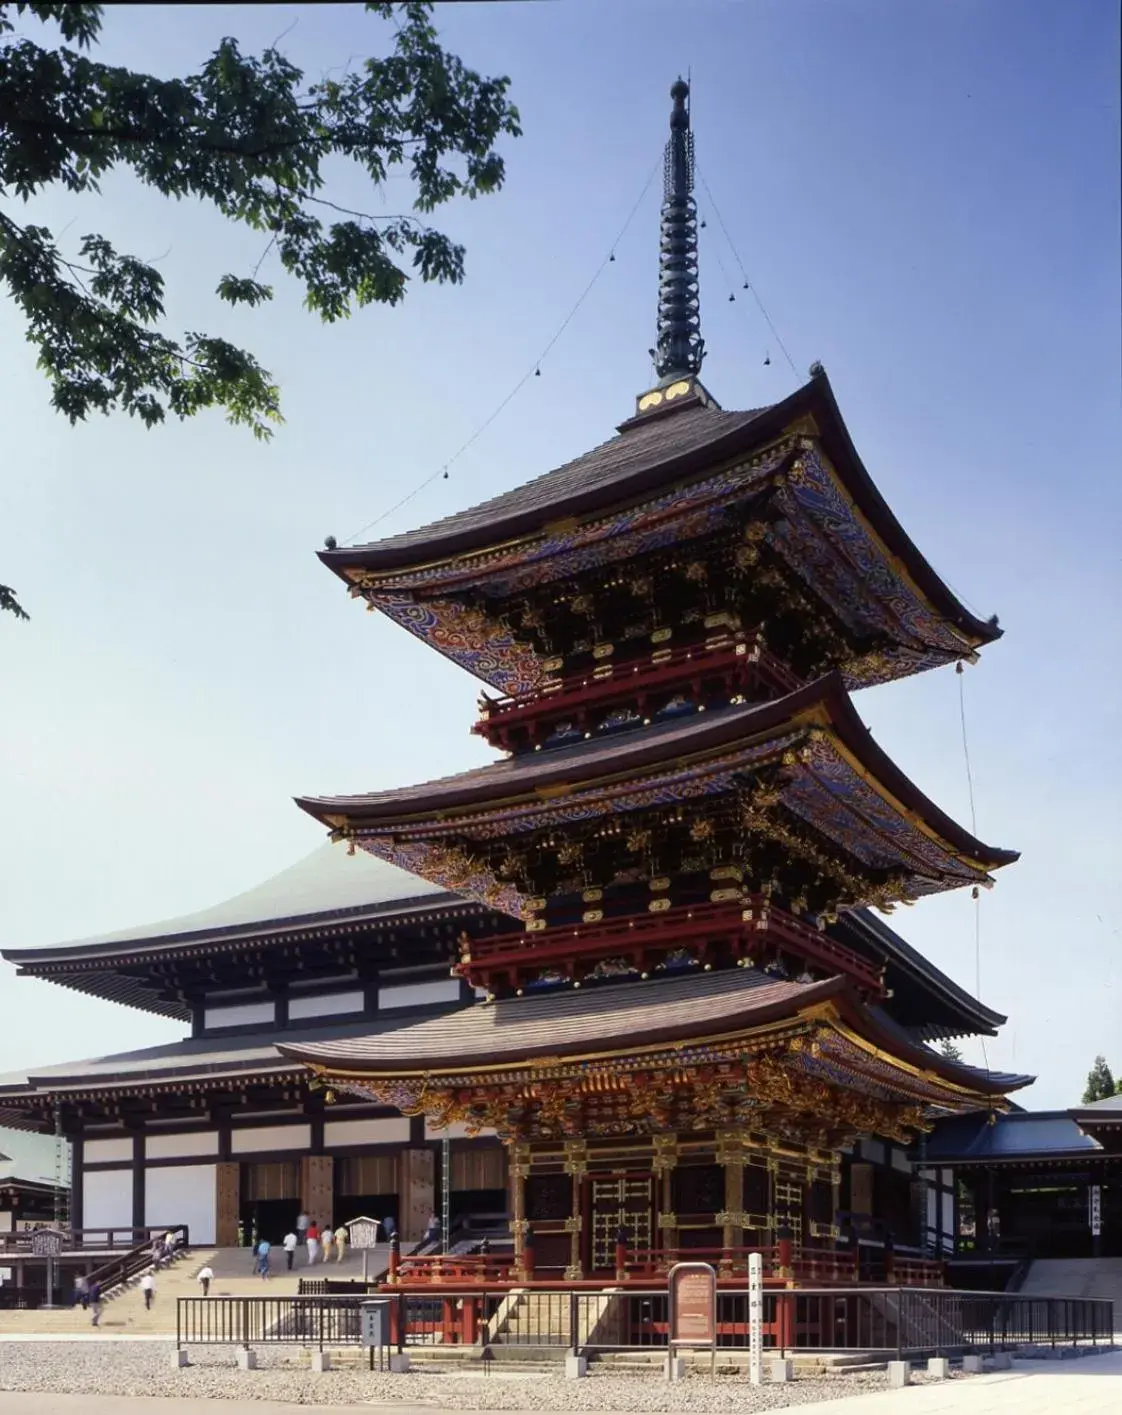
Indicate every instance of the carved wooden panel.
{"type": "Point", "coordinates": [227, 1201]}
{"type": "Point", "coordinates": [317, 1187]}
{"type": "Point", "coordinates": [417, 1193]}
{"type": "Point", "coordinates": [549, 1196]}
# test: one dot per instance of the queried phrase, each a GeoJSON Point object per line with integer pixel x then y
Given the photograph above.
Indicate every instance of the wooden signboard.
{"type": "Point", "coordinates": [693, 1309]}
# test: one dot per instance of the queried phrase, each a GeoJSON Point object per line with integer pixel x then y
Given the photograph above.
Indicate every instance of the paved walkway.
{"type": "Point", "coordinates": [1091, 1385]}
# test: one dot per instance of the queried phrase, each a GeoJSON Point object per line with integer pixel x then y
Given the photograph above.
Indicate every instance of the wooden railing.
{"type": "Point", "coordinates": [98, 1240]}
{"type": "Point", "coordinates": [644, 938]}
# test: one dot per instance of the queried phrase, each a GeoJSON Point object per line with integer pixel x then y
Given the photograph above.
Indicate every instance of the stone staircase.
{"type": "Point", "coordinates": [123, 1311]}
{"type": "Point", "coordinates": [1077, 1277]}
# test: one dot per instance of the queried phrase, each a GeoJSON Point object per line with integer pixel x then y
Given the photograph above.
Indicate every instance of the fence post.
{"type": "Point", "coordinates": [395, 1257]}
{"type": "Point", "coordinates": [528, 1255]}
{"type": "Point", "coordinates": [621, 1254]}
{"type": "Point", "coordinates": [574, 1334]}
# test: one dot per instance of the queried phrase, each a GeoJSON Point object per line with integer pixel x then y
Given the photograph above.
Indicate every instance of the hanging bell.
{"type": "Point", "coordinates": [445, 473]}
{"type": "Point", "coordinates": [702, 224]}
{"type": "Point", "coordinates": [767, 360]}
{"type": "Point", "coordinates": [537, 373]}
{"type": "Point", "coordinates": [732, 298]}
{"type": "Point", "coordinates": [745, 285]}
{"type": "Point", "coordinates": [611, 257]}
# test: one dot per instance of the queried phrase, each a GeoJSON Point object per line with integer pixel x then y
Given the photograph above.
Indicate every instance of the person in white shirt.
{"type": "Point", "coordinates": [205, 1277]}
{"type": "Point", "coordinates": [302, 1223]}
{"type": "Point", "coordinates": [289, 1250]}
{"type": "Point", "coordinates": [148, 1287]}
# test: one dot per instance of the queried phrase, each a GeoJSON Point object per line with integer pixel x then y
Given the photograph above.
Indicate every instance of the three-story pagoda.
{"type": "Point", "coordinates": [689, 817]}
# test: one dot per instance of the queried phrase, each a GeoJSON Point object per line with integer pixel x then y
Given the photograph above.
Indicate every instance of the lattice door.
{"type": "Point", "coordinates": [789, 1208]}
{"type": "Point", "coordinates": [619, 1202]}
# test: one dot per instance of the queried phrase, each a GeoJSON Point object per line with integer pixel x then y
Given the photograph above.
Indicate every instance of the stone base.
{"type": "Point", "coordinates": [247, 1360]}
{"type": "Point", "coordinates": [1001, 1361]}
{"type": "Point", "coordinates": [899, 1375]}
{"type": "Point", "coordinates": [973, 1365]}
{"type": "Point", "coordinates": [939, 1367]}
{"type": "Point", "coordinates": [781, 1371]}
{"type": "Point", "coordinates": [178, 1360]}
{"type": "Point", "coordinates": [675, 1368]}
{"type": "Point", "coordinates": [576, 1367]}
{"type": "Point", "coordinates": [399, 1362]}
{"type": "Point", "coordinates": [321, 1361]}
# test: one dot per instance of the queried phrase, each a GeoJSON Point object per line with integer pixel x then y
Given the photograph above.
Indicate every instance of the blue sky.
{"type": "Point", "coordinates": [926, 198]}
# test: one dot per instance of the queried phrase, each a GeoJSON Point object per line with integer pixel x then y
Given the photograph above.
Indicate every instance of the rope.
{"type": "Point", "coordinates": [748, 283]}
{"type": "Point", "coordinates": [531, 372]}
{"type": "Point", "coordinates": [974, 832]}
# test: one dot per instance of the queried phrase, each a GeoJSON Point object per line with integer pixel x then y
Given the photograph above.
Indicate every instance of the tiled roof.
{"type": "Point", "coordinates": [602, 1018]}
{"type": "Point", "coordinates": [326, 882]}
{"type": "Point", "coordinates": [631, 454]}
{"type": "Point", "coordinates": [1023, 1135]}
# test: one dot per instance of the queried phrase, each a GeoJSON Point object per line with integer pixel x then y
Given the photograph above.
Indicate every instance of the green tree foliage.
{"type": "Point", "coordinates": [250, 137]}
{"type": "Point", "coordinates": [950, 1051]}
{"type": "Point", "coordinates": [1100, 1082]}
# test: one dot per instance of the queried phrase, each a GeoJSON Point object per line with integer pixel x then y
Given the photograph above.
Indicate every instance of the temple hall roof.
{"type": "Point", "coordinates": [1022, 1135]}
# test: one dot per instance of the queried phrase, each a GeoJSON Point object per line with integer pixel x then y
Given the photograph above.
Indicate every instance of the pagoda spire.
{"type": "Point", "coordinates": [680, 347]}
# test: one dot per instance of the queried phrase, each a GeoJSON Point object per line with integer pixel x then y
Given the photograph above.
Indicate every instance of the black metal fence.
{"type": "Point", "coordinates": [897, 1321]}
{"type": "Point", "coordinates": [264, 1321]}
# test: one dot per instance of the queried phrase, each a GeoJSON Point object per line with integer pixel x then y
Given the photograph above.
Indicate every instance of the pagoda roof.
{"type": "Point", "coordinates": [626, 1017]}
{"type": "Point", "coordinates": [846, 786]}
{"type": "Point", "coordinates": [630, 494]}
{"type": "Point", "coordinates": [647, 455]}
{"type": "Point", "coordinates": [961, 1012]}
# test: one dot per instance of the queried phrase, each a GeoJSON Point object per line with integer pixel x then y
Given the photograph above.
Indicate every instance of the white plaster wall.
{"type": "Point", "coordinates": [326, 1004]}
{"type": "Point", "coordinates": [456, 1131]}
{"type": "Point", "coordinates": [948, 1218]}
{"type": "Point", "coordinates": [873, 1151]}
{"type": "Point", "coordinates": [107, 1198]}
{"type": "Point", "coordinates": [900, 1161]}
{"type": "Point", "coordinates": [178, 1194]}
{"type": "Point", "coordinates": [271, 1137]}
{"type": "Point", "coordinates": [108, 1151]}
{"type": "Point", "coordinates": [168, 1147]}
{"type": "Point", "coordinates": [6, 1220]}
{"type": "Point", "coordinates": [419, 994]}
{"type": "Point", "coordinates": [243, 1014]}
{"type": "Point", "coordinates": [381, 1130]}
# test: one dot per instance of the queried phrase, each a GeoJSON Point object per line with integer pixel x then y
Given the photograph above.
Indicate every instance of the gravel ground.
{"type": "Point", "coordinates": [144, 1368]}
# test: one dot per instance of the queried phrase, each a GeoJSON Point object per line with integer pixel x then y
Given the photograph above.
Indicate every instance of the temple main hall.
{"type": "Point", "coordinates": [637, 968]}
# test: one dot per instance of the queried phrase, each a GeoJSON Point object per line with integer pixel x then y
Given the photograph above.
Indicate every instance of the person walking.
{"type": "Point", "coordinates": [312, 1238]}
{"type": "Point", "coordinates": [389, 1227]}
{"type": "Point", "coordinates": [303, 1222]}
{"type": "Point", "coordinates": [341, 1236]}
{"type": "Point", "coordinates": [95, 1303]}
{"type": "Point", "coordinates": [205, 1277]}
{"type": "Point", "coordinates": [148, 1287]}
{"type": "Point", "coordinates": [326, 1239]}
{"type": "Point", "coordinates": [263, 1250]}
{"type": "Point", "coordinates": [289, 1250]}
{"type": "Point", "coordinates": [81, 1292]}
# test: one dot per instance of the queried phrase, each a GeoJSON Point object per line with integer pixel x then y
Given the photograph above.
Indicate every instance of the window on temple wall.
{"type": "Point", "coordinates": [698, 1189]}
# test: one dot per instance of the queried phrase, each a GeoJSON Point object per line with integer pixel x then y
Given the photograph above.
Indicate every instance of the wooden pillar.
{"type": "Point", "coordinates": [227, 1202]}
{"type": "Point", "coordinates": [664, 1164]}
{"type": "Point", "coordinates": [730, 1154]}
{"type": "Point", "coordinates": [138, 1179]}
{"type": "Point", "coordinates": [576, 1166]}
{"type": "Point", "coordinates": [518, 1172]}
{"type": "Point", "coordinates": [76, 1162]}
{"type": "Point", "coordinates": [416, 1191]}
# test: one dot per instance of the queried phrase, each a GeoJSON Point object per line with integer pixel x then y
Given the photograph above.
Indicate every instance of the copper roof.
{"type": "Point", "coordinates": [595, 761]}
{"type": "Point", "coordinates": [600, 1018]}
{"type": "Point", "coordinates": [646, 456]}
